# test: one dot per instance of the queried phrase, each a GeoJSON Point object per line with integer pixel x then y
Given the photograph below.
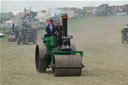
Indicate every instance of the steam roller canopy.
{"type": "Point", "coordinates": [68, 65]}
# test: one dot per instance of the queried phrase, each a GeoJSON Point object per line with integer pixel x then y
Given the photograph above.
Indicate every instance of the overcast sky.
{"type": "Point", "coordinates": [9, 5]}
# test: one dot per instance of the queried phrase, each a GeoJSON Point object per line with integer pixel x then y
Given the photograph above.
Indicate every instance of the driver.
{"type": "Point", "coordinates": [50, 29]}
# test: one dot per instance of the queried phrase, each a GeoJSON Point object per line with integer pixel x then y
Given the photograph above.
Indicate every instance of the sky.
{"type": "Point", "coordinates": [19, 5]}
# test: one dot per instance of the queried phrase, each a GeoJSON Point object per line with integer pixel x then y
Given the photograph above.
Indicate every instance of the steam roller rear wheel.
{"type": "Point", "coordinates": [40, 59]}
{"type": "Point", "coordinates": [68, 65]}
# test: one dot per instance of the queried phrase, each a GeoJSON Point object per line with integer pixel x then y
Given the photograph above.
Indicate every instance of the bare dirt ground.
{"type": "Point", "coordinates": [105, 57]}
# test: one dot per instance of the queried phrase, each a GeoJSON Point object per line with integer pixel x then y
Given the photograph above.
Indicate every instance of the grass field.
{"type": "Point", "coordinates": [105, 57]}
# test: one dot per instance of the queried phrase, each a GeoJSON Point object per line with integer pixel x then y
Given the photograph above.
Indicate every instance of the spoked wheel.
{"type": "Point", "coordinates": [40, 59]}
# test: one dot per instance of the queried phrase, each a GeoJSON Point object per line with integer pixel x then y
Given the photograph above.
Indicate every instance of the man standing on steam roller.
{"type": "Point", "coordinates": [59, 33]}
{"type": "Point", "coordinates": [50, 29]}
{"type": "Point", "coordinates": [59, 29]}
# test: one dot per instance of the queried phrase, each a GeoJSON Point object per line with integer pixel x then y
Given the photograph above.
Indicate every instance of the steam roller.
{"type": "Point", "coordinates": [62, 57]}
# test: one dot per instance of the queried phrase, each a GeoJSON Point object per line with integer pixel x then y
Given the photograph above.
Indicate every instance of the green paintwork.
{"type": "Point", "coordinates": [50, 43]}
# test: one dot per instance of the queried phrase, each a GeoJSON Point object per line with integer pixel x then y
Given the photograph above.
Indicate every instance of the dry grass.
{"type": "Point", "coordinates": [105, 60]}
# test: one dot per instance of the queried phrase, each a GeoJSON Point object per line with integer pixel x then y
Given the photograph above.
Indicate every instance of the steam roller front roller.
{"type": "Point", "coordinates": [59, 54]}
{"type": "Point", "coordinates": [70, 65]}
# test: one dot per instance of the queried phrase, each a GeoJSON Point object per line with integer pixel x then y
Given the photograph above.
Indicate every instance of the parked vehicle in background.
{"type": "Point", "coordinates": [2, 35]}
{"type": "Point", "coordinates": [124, 33]}
{"type": "Point", "coordinates": [27, 34]}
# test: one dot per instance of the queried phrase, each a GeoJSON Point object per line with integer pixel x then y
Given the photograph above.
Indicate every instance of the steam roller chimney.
{"type": "Point", "coordinates": [64, 24]}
